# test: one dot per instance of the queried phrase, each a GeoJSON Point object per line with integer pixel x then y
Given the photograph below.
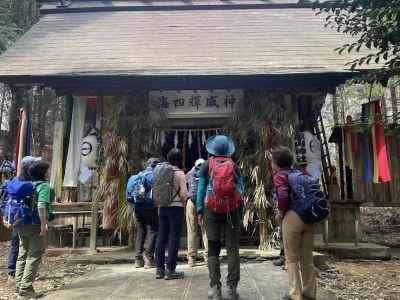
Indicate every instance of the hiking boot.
{"type": "Point", "coordinates": [160, 274]}
{"type": "Point", "coordinates": [29, 294]}
{"type": "Point", "coordinates": [214, 292]}
{"type": "Point", "coordinates": [139, 262]}
{"type": "Point", "coordinates": [280, 262]}
{"type": "Point", "coordinates": [11, 280]}
{"type": "Point", "coordinates": [170, 275]}
{"type": "Point", "coordinates": [191, 261]}
{"type": "Point", "coordinates": [232, 293]}
{"type": "Point", "coordinates": [149, 263]}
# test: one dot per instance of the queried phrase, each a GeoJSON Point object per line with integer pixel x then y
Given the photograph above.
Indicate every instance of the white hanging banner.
{"type": "Point", "coordinates": [72, 166]}
{"type": "Point", "coordinates": [197, 103]}
{"type": "Point", "coordinates": [57, 152]}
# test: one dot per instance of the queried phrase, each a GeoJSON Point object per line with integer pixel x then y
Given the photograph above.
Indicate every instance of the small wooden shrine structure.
{"type": "Point", "coordinates": [198, 60]}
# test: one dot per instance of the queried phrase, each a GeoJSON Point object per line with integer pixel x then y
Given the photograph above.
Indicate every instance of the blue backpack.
{"type": "Point", "coordinates": [139, 188]}
{"type": "Point", "coordinates": [309, 202]}
{"type": "Point", "coordinates": [20, 208]}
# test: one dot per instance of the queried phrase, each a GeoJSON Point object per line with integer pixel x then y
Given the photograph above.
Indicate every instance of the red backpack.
{"type": "Point", "coordinates": [222, 193]}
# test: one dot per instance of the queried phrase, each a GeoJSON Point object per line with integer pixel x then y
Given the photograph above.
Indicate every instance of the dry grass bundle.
{"type": "Point", "coordinates": [263, 124]}
{"type": "Point", "coordinates": [114, 171]}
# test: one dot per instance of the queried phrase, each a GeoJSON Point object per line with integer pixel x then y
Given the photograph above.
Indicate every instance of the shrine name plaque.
{"type": "Point", "coordinates": [197, 103]}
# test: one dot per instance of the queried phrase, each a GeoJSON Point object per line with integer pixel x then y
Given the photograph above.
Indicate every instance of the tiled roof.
{"type": "Point", "coordinates": [198, 42]}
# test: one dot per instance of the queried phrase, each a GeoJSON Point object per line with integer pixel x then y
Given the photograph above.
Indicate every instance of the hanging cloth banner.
{"type": "Point", "coordinates": [23, 142]}
{"type": "Point", "coordinates": [366, 156]}
{"type": "Point", "coordinates": [72, 166]}
{"type": "Point", "coordinates": [383, 173]}
{"type": "Point", "coordinates": [348, 148]}
{"type": "Point", "coordinates": [57, 158]}
{"type": "Point", "coordinates": [374, 149]}
{"type": "Point", "coordinates": [68, 107]}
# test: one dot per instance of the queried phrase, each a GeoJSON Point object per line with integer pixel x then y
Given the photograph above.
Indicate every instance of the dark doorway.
{"type": "Point", "coordinates": [190, 141]}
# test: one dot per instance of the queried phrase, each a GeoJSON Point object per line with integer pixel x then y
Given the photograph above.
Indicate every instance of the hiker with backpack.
{"type": "Point", "coordinates": [8, 173]}
{"type": "Point", "coordinates": [301, 204]}
{"type": "Point", "coordinates": [31, 222]}
{"type": "Point", "coordinates": [192, 224]}
{"type": "Point", "coordinates": [139, 193]}
{"type": "Point", "coordinates": [170, 195]}
{"type": "Point", "coordinates": [219, 206]}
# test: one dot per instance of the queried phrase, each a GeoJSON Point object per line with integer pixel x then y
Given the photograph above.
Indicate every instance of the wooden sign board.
{"type": "Point", "coordinates": [197, 103]}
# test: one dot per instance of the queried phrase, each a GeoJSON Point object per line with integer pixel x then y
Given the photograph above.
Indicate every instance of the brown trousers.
{"type": "Point", "coordinates": [298, 240]}
{"type": "Point", "coordinates": [192, 226]}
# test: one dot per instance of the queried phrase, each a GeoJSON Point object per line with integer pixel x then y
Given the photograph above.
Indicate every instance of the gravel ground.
{"type": "Point", "coordinates": [369, 280]}
{"type": "Point", "coordinates": [362, 280]}
{"type": "Point", "coordinates": [53, 274]}
{"type": "Point", "coordinates": [348, 279]}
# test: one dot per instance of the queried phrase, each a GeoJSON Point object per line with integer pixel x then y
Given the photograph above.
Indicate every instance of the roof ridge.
{"type": "Point", "coordinates": [86, 6]}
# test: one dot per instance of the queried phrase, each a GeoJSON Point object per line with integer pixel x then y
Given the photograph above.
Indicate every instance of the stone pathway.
{"type": "Point", "coordinates": [259, 281]}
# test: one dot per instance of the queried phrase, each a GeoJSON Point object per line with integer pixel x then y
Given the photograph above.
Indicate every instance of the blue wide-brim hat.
{"type": "Point", "coordinates": [220, 145]}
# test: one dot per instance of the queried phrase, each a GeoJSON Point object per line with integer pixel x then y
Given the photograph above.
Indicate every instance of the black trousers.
{"type": "Point", "coordinates": [220, 228]}
{"type": "Point", "coordinates": [146, 232]}
{"type": "Point", "coordinates": [171, 221]}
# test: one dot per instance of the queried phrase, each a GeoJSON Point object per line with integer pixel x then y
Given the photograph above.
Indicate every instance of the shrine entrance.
{"type": "Point", "coordinates": [192, 143]}
{"type": "Point", "coordinates": [193, 116]}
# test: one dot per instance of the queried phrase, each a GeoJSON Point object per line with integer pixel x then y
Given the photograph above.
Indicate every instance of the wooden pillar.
{"type": "Point", "coordinates": [93, 226]}
{"type": "Point", "coordinates": [95, 200]}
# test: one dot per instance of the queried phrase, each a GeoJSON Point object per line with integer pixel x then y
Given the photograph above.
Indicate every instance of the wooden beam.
{"type": "Point", "coordinates": [172, 6]}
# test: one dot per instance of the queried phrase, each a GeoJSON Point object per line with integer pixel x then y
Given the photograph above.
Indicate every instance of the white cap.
{"type": "Point", "coordinates": [28, 160]}
{"type": "Point", "coordinates": [199, 162]}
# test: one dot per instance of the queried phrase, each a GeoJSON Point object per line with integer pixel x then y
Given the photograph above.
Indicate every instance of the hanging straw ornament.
{"type": "Point", "coordinates": [162, 138]}
{"type": "Point", "coordinates": [176, 139]}
{"type": "Point", "coordinates": [203, 137]}
{"type": "Point", "coordinates": [190, 139]}
{"type": "Point", "coordinates": [198, 144]}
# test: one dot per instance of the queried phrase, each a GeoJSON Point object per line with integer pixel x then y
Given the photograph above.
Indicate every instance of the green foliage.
{"type": "Point", "coordinates": [374, 23]}
{"type": "Point", "coordinates": [9, 31]}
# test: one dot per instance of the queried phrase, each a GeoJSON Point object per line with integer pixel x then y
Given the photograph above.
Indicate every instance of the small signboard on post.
{"type": "Point", "coordinates": [197, 103]}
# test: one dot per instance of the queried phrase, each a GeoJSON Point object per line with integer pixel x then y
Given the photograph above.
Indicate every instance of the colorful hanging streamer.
{"type": "Point", "coordinates": [366, 156]}
{"type": "Point", "coordinates": [380, 153]}
{"type": "Point", "coordinates": [23, 142]}
{"type": "Point", "coordinates": [378, 170]}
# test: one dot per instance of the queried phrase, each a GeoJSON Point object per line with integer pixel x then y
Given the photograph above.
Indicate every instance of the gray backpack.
{"type": "Point", "coordinates": [163, 185]}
